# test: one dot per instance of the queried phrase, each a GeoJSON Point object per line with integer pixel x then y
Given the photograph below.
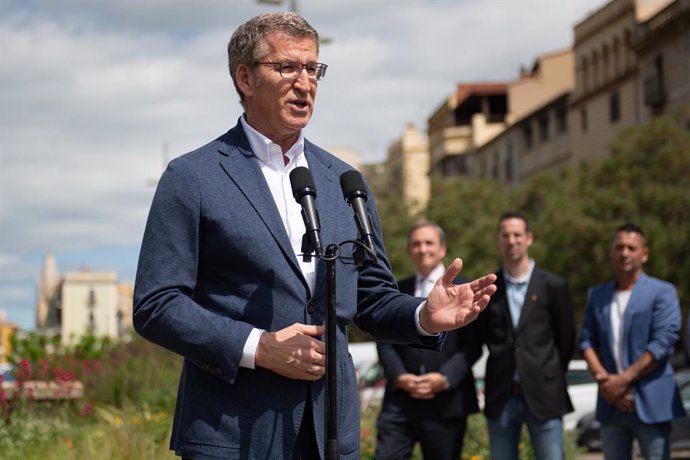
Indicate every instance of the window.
{"type": "Point", "coordinates": [583, 120]}
{"type": "Point", "coordinates": [527, 134]}
{"type": "Point", "coordinates": [614, 107]}
{"type": "Point", "coordinates": [561, 119]}
{"type": "Point", "coordinates": [543, 121]}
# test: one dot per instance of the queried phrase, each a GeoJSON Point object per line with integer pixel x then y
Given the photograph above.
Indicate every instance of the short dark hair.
{"type": "Point", "coordinates": [513, 215]}
{"type": "Point", "coordinates": [427, 223]}
{"type": "Point", "coordinates": [630, 227]}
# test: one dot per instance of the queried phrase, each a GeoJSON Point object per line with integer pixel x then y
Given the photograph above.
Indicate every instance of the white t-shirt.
{"type": "Point", "coordinates": [618, 306]}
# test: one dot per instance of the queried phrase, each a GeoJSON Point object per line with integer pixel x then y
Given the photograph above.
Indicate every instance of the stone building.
{"type": "Point", "coordinates": [82, 303]}
{"type": "Point", "coordinates": [407, 167]}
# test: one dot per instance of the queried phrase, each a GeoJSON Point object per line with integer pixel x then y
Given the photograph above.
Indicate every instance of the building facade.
{"type": "Point", "coordinates": [469, 118]}
{"type": "Point", "coordinates": [82, 303]}
{"type": "Point", "coordinates": [536, 136]}
{"type": "Point", "coordinates": [662, 45]}
{"type": "Point", "coordinates": [407, 167]}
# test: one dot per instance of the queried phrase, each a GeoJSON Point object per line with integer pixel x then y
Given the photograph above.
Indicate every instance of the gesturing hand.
{"type": "Point", "coordinates": [450, 306]}
{"type": "Point", "coordinates": [293, 352]}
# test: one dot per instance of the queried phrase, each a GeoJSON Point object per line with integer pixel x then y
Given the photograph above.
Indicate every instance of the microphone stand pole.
{"type": "Point", "coordinates": [331, 358]}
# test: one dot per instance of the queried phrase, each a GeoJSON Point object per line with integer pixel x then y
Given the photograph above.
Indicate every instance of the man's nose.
{"type": "Point", "coordinates": [303, 79]}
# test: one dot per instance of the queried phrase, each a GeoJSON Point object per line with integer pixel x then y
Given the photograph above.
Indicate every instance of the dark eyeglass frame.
{"type": "Point", "coordinates": [316, 73]}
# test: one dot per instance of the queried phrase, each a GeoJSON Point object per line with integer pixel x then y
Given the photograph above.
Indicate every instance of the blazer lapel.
{"type": "Point", "coordinates": [502, 301]}
{"type": "Point", "coordinates": [241, 166]}
{"type": "Point", "coordinates": [328, 197]}
{"type": "Point", "coordinates": [605, 314]}
{"type": "Point", "coordinates": [630, 309]}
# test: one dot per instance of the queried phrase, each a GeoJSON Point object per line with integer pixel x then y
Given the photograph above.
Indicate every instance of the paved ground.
{"type": "Point", "coordinates": [676, 455]}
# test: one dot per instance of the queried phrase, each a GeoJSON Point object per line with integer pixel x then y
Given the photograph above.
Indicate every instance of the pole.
{"type": "Point", "coordinates": [331, 359]}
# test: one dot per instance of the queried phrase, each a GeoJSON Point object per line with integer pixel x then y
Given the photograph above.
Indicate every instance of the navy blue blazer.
{"type": "Point", "coordinates": [216, 262]}
{"type": "Point", "coordinates": [651, 322]}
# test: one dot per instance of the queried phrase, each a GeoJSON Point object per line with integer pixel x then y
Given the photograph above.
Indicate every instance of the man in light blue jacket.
{"type": "Point", "coordinates": [630, 330]}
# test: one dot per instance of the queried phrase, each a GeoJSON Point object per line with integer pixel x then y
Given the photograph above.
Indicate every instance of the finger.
{"type": "Point", "coordinates": [452, 272]}
{"type": "Point", "coordinates": [483, 282]}
{"type": "Point", "coordinates": [487, 291]}
{"type": "Point", "coordinates": [316, 370]}
{"type": "Point", "coordinates": [312, 330]}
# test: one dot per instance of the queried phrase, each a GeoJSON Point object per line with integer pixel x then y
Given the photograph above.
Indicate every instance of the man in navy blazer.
{"type": "Point", "coordinates": [221, 280]}
{"type": "Point", "coordinates": [630, 330]}
{"type": "Point", "coordinates": [429, 394]}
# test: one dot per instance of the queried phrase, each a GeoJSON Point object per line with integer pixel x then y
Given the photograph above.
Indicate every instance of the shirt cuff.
{"type": "Point", "coordinates": [249, 350]}
{"type": "Point", "coordinates": [420, 329]}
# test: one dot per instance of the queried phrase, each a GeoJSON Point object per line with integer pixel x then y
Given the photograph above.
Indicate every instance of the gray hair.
{"type": "Point", "coordinates": [427, 223]}
{"type": "Point", "coordinates": [247, 44]}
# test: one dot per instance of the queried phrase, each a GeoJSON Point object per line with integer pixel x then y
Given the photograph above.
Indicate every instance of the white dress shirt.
{"type": "Point", "coordinates": [423, 286]}
{"type": "Point", "coordinates": [270, 158]}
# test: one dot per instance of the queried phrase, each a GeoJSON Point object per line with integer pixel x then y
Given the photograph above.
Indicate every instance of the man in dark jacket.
{"type": "Point", "coordinates": [529, 328]}
{"type": "Point", "coordinates": [428, 394]}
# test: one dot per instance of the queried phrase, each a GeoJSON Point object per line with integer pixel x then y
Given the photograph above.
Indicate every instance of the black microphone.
{"type": "Point", "coordinates": [304, 191]}
{"type": "Point", "coordinates": [355, 194]}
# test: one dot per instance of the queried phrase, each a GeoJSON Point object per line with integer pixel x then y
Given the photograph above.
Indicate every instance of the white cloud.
{"type": "Point", "coordinates": [91, 91]}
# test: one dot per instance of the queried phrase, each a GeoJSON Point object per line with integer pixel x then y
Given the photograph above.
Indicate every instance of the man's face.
{"type": "Point", "coordinates": [513, 239]}
{"type": "Point", "coordinates": [628, 253]}
{"type": "Point", "coordinates": [277, 107]}
{"type": "Point", "coordinates": [425, 249]}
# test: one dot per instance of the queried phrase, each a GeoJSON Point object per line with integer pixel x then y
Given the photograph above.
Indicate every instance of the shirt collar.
{"type": "Point", "coordinates": [522, 280]}
{"type": "Point", "coordinates": [268, 151]}
{"type": "Point", "coordinates": [435, 274]}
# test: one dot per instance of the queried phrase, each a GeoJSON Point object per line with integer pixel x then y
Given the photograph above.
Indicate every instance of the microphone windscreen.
{"type": "Point", "coordinates": [302, 182]}
{"type": "Point", "coordinates": [352, 184]}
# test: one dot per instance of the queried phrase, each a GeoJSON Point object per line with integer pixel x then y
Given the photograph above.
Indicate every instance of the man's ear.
{"type": "Point", "coordinates": [245, 79]}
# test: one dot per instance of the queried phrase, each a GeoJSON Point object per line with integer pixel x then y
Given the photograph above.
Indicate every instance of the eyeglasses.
{"type": "Point", "coordinates": [292, 70]}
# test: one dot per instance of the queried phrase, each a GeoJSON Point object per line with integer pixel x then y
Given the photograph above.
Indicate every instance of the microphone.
{"type": "Point", "coordinates": [304, 191]}
{"type": "Point", "coordinates": [355, 194]}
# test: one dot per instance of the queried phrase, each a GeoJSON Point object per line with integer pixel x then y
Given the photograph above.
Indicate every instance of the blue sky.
{"type": "Point", "coordinates": [90, 92]}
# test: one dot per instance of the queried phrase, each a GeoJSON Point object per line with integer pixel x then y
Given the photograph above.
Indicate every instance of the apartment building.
{"type": "Point", "coordinates": [407, 165]}
{"type": "Point", "coordinates": [662, 45]}
{"type": "Point", "coordinates": [83, 302]}
{"type": "Point", "coordinates": [536, 136]}
{"type": "Point", "coordinates": [467, 119]}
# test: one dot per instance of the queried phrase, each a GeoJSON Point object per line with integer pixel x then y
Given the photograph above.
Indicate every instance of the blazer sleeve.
{"type": "Point", "coordinates": [165, 311]}
{"type": "Point", "coordinates": [666, 322]}
{"type": "Point", "coordinates": [563, 318]}
{"type": "Point", "coordinates": [382, 310]}
{"type": "Point", "coordinates": [391, 361]}
{"type": "Point", "coordinates": [468, 349]}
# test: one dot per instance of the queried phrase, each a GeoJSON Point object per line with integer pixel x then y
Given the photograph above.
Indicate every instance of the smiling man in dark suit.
{"type": "Point", "coordinates": [429, 394]}
{"type": "Point", "coordinates": [529, 328]}
{"type": "Point", "coordinates": [221, 280]}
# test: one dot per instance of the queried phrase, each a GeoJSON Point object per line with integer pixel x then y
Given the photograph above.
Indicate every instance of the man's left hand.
{"type": "Point", "coordinates": [450, 306]}
{"type": "Point", "coordinates": [614, 387]}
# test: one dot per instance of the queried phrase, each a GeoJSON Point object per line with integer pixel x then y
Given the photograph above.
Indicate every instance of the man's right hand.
{"type": "Point", "coordinates": [293, 352]}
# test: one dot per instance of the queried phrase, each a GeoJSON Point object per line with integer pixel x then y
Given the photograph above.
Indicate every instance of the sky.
{"type": "Point", "coordinates": [96, 96]}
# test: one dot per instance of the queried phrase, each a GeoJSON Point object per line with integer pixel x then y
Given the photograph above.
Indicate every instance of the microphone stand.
{"type": "Point", "coordinates": [331, 411]}
{"type": "Point", "coordinates": [331, 358]}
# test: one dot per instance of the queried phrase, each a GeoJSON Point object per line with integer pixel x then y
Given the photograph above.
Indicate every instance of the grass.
{"type": "Point", "coordinates": [126, 412]}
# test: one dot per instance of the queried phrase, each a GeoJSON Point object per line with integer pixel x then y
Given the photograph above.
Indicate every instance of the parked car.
{"type": "Point", "coordinates": [582, 390]}
{"type": "Point", "coordinates": [372, 382]}
{"type": "Point", "coordinates": [588, 426]}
